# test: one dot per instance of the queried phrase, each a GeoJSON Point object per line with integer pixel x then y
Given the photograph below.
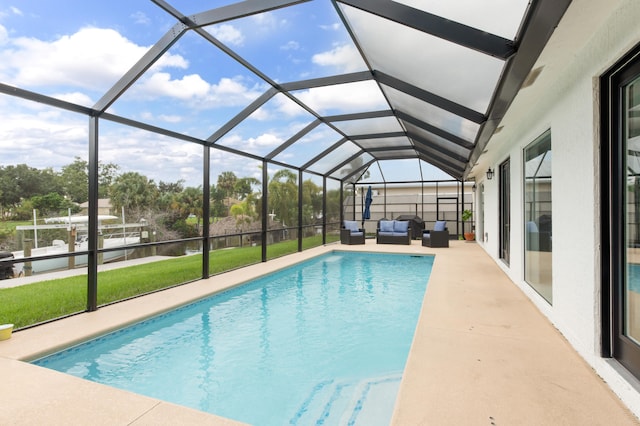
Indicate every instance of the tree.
{"type": "Point", "coordinates": [171, 187]}
{"type": "Point", "coordinates": [244, 187]}
{"type": "Point", "coordinates": [283, 196]}
{"type": "Point", "coordinates": [167, 192]}
{"type": "Point", "coordinates": [75, 179]}
{"type": "Point", "coordinates": [189, 202]}
{"type": "Point", "coordinates": [240, 212]}
{"type": "Point", "coordinates": [107, 174]}
{"type": "Point", "coordinates": [333, 205]}
{"type": "Point", "coordinates": [253, 202]}
{"type": "Point", "coordinates": [10, 195]}
{"type": "Point", "coordinates": [311, 201]}
{"type": "Point", "coordinates": [51, 204]}
{"type": "Point", "coordinates": [226, 184]}
{"type": "Point", "coordinates": [133, 191]}
{"type": "Point", "coordinates": [21, 182]}
{"type": "Point", "coordinates": [218, 209]}
{"type": "Point", "coordinates": [24, 211]}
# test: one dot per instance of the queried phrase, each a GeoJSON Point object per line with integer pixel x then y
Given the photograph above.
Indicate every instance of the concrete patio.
{"type": "Point", "coordinates": [482, 355]}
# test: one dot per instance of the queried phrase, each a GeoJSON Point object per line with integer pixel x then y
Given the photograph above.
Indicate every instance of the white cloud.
{"type": "Point", "coordinates": [333, 27]}
{"type": "Point", "coordinates": [290, 45]}
{"type": "Point", "coordinates": [232, 139]}
{"type": "Point", "coordinates": [230, 87]}
{"type": "Point", "coordinates": [342, 98]}
{"type": "Point", "coordinates": [169, 60]}
{"type": "Point", "coordinates": [197, 93]}
{"type": "Point", "coordinates": [261, 114]}
{"type": "Point", "coordinates": [344, 58]}
{"type": "Point", "coordinates": [263, 25]}
{"type": "Point", "coordinates": [265, 139]}
{"type": "Point", "coordinates": [4, 35]}
{"type": "Point", "coordinates": [140, 18]}
{"type": "Point", "coordinates": [16, 11]}
{"type": "Point", "coordinates": [161, 84]}
{"type": "Point", "coordinates": [41, 136]}
{"type": "Point", "coordinates": [262, 143]}
{"type": "Point", "coordinates": [92, 58]}
{"type": "Point", "coordinates": [77, 98]}
{"type": "Point", "coordinates": [74, 67]}
{"type": "Point", "coordinates": [157, 157]}
{"type": "Point", "coordinates": [146, 115]}
{"type": "Point", "coordinates": [232, 92]}
{"type": "Point", "coordinates": [227, 33]}
{"type": "Point", "coordinates": [222, 161]}
{"type": "Point", "coordinates": [170, 118]}
{"type": "Point", "coordinates": [266, 20]}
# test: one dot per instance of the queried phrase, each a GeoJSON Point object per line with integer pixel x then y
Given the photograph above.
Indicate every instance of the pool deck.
{"type": "Point", "coordinates": [482, 355]}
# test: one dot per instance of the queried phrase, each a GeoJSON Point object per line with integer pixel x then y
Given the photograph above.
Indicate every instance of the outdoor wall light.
{"type": "Point", "coordinates": [473, 188]}
{"type": "Point", "coordinates": [489, 173]}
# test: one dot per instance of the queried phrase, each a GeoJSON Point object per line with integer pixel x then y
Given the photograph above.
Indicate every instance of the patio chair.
{"type": "Point", "coordinates": [438, 237]}
{"type": "Point", "coordinates": [351, 234]}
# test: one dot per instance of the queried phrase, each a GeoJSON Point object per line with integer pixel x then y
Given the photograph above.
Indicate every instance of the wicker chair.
{"type": "Point", "coordinates": [350, 233]}
{"type": "Point", "coordinates": [438, 237]}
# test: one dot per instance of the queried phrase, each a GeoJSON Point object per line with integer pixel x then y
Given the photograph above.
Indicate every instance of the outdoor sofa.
{"type": "Point", "coordinates": [393, 232]}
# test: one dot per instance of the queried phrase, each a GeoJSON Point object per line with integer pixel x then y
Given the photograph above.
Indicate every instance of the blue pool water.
{"type": "Point", "coordinates": [322, 342]}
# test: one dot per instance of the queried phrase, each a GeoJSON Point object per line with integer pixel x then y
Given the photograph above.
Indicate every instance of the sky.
{"type": "Point", "coordinates": [76, 50]}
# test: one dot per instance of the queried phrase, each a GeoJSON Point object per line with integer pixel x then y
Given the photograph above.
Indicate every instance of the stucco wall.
{"type": "Point", "coordinates": [566, 101]}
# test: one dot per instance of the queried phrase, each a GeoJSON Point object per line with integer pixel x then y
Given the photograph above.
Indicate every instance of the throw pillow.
{"type": "Point", "coordinates": [440, 225]}
{"type": "Point", "coordinates": [351, 225]}
{"type": "Point", "coordinates": [386, 226]}
{"type": "Point", "coordinates": [400, 226]}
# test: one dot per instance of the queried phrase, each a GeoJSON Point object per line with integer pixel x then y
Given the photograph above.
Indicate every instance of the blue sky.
{"type": "Point", "coordinates": [76, 50]}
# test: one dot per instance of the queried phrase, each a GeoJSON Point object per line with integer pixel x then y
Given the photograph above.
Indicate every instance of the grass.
{"type": "Point", "coordinates": [34, 303]}
{"type": "Point", "coordinates": [10, 225]}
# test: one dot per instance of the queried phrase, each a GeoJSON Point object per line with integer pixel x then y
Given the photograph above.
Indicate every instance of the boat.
{"type": "Point", "coordinates": [113, 235]}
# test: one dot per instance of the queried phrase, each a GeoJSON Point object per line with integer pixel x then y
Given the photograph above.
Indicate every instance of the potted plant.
{"type": "Point", "coordinates": [466, 216]}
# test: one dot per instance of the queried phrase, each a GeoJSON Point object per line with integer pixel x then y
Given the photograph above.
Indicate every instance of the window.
{"type": "Point", "coordinates": [537, 215]}
{"type": "Point", "coordinates": [631, 138]}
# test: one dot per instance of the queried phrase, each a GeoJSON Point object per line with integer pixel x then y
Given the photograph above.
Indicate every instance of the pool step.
{"type": "Point", "coordinates": [365, 402]}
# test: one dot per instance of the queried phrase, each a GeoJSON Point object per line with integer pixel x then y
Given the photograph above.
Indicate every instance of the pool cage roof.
{"type": "Point", "coordinates": [420, 83]}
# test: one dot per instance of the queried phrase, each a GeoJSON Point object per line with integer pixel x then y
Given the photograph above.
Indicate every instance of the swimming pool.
{"type": "Point", "coordinates": [321, 342]}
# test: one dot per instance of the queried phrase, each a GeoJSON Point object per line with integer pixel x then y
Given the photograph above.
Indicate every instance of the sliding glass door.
{"type": "Point", "coordinates": [621, 213]}
{"type": "Point", "coordinates": [505, 211]}
{"type": "Point", "coordinates": [537, 216]}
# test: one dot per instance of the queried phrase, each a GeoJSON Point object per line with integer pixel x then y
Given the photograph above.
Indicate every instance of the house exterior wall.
{"type": "Point", "coordinates": [591, 38]}
{"type": "Point", "coordinates": [418, 200]}
{"type": "Point", "coordinates": [104, 207]}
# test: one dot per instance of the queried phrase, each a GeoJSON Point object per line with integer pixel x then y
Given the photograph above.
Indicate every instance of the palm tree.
{"type": "Point", "coordinates": [283, 196]}
{"type": "Point", "coordinates": [190, 203]}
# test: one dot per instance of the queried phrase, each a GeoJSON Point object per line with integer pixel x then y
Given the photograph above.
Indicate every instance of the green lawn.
{"type": "Point", "coordinates": [34, 303]}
